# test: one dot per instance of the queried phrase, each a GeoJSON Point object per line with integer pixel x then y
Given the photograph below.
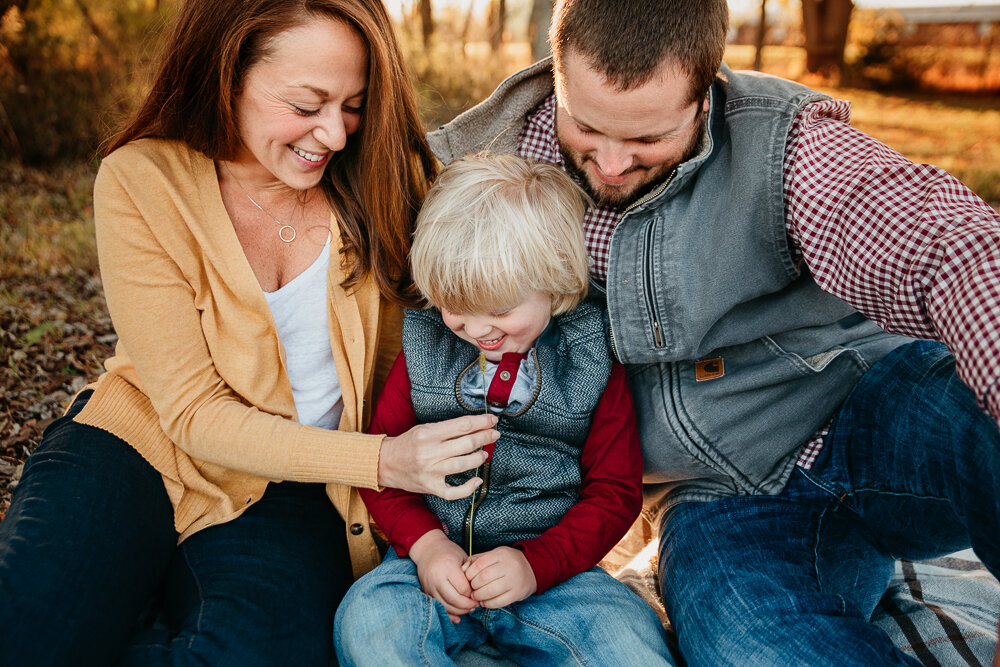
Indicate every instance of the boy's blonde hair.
{"type": "Point", "coordinates": [494, 230]}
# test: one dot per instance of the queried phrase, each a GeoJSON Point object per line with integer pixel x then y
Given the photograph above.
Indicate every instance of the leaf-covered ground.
{"type": "Point", "coordinates": [54, 328]}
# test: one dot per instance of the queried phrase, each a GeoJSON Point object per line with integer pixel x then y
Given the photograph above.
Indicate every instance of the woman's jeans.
{"type": "Point", "coordinates": [91, 573]}
{"type": "Point", "coordinates": [590, 619]}
{"type": "Point", "coordinates": [910, 469]}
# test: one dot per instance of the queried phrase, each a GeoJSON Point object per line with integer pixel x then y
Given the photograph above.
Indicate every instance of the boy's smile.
{"type": "Point", "coordinates": [513, 330]}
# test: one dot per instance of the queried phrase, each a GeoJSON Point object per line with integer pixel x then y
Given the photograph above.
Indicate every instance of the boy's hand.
{"type": "Point", "coordinates": [439, 568]}
{"type": "Point", "coordinates": [500, 577]}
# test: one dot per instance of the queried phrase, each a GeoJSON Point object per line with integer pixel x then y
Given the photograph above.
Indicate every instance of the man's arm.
{"type": "Point", "coordinates": [907, 244]}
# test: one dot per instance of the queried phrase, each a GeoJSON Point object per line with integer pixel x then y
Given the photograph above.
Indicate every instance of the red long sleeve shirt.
{"type": "Point", "coordinates": [610, 491]}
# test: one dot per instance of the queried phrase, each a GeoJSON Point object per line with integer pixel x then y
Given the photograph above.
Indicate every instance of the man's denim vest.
{"type": "Point", "coordinates": [735, 356]}
{"type": "Point", "coordinates": [533, 477]}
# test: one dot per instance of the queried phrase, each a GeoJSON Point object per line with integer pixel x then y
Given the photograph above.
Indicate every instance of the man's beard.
{"type": "Point", "coordinates": [611, 197]}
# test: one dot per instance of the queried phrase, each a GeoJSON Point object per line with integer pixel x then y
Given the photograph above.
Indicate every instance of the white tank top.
{"type": "Point", "coordinates": [299, 311]}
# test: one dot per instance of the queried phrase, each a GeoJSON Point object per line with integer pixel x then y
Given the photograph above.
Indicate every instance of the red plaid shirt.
{"type": "Point", "coordinates": [908, 245]}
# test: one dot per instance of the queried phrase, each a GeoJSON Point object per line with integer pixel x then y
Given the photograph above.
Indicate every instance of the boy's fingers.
{"type": "Point", "coordinates": [460, 583]}
{"type": "Point", "coordinates": [499, 601]}
{"type": "Point", "coordinates": [489, 594]}
{"type": "Point", "coordinates": [484, 563]}
{"type": "Point", "coordinates": [483, 579]}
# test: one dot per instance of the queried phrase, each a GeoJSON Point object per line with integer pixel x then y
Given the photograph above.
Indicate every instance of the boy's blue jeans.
{"type": "Point", "coordinates": [911, 469]}
{"type": "Point", "coordinates": [591, 619]}
{"type": "Point", "coordinates": [89, 540]}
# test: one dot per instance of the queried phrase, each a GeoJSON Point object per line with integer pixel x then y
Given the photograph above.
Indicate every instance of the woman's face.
{"type": "Point", "coordinates": [299, 103]}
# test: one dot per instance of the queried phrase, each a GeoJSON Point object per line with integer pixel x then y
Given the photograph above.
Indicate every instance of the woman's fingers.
{"type": "Point", "coordinates": [420, 459]}
{"type": "Point", "coordinates": [457, 464]}
{"type": "Point", "coordinates": [465, 490]}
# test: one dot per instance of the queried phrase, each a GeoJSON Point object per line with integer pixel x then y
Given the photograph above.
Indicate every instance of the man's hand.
{"type": "Point", "coordinates": [440, 564]}
{"type": "Point", "coordinates": [500, 577]}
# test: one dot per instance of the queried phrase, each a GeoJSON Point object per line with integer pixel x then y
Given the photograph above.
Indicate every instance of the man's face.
{"type": "Point", "coordinates": [621, 143]}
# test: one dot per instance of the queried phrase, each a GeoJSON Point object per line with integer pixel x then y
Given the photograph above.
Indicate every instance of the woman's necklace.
{"type": "Point", "coordinates": [285, 231]}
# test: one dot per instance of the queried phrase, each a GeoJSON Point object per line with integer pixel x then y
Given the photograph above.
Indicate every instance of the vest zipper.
{"type": "Point", "coordinates": [477, 499]}
{"type": "Point", "coordinates": [482, 471]}
{"type": "Point", "coordinates": [647, 288]}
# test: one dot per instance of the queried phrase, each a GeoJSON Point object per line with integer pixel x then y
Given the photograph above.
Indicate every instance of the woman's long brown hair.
{"type": "Point", "coordinates": [376, 183]}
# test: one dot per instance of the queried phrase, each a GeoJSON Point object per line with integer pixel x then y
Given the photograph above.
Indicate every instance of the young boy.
{"type": "Point", "coordinates": [498, 251]}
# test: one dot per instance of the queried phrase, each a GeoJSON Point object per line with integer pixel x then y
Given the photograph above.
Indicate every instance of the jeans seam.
{"type": "Point", "coordinates": [819, 580]}
{"type": "Point", "coordinates": [429, 607]}
{"type": "Point", "coordinates": [906, 494]}
{"type": "Point", "coordinates": [552, 633]}
{"type": "Point", "coordinates": [830, 488]}
{"type": "Point", "coordinates": [201, 599]}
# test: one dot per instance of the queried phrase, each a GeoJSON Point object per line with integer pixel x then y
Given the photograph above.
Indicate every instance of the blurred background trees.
{"type": "Point", "coordinates": [70, 69]}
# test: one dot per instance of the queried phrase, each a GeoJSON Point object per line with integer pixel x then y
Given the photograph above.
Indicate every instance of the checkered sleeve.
{"type": "Point", "coordinates": [907, 244]}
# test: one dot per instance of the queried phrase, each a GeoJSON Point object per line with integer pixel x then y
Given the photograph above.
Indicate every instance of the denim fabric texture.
{"type": "Point", "coordinates": [90, 567]}
{"type": "Point", "coordinates": [909, 470]}
{"type": "Point", "coordinates": [591, 619]}
{"type": "Point", "coordinates": [84, 545]}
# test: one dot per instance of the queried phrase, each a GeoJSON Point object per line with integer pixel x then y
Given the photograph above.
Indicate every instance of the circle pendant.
{"type": "Point", "coordinates": [286, 236]}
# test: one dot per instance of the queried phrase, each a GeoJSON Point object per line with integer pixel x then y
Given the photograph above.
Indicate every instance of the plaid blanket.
{"type": "Point", "coordinates": [942, 611]}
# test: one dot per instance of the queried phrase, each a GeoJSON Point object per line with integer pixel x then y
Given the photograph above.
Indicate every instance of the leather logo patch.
{"type": "Point", "coordinates": [709, 369]}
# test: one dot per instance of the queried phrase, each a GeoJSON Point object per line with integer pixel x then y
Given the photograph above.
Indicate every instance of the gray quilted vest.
{"type": "Point", "coordinates": [533, 476]}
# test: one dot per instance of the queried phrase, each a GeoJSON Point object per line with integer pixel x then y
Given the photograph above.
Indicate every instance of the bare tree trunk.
{"type": "Point", "coordinates": [541, 17]}
{"type": "Point", "coordinates": [825, 25]}
{"type": "Point", "coordinates": [499, 19]}
{"type": "Point", "coordinates": [107, 43]}
{"type": "Point", "coordinates": [758, 58]}
{"type": "Point", "coordinates": [467, 24]}
{"type": "Point", "coordinates": [11, 135]}
{"type": "Point", "coordinates": [426, 21]}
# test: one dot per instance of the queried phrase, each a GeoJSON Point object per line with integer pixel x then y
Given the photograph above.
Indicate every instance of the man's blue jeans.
{"type": "Point", "coordinates": [88, 544]}
{"type": "Point", "coordinates": [911, 469]}
{"type": "Point", "coordinates": [590, 619]}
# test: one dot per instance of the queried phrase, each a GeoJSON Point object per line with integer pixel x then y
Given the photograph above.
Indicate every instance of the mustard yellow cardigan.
{"type": "Point", "coordinates": [198, 383]}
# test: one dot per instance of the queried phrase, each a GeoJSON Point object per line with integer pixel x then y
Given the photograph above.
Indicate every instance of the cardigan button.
{"type": "Point", "coordinates": [505, 375]}
{"type": "Point", "coordinates": [357, 529]}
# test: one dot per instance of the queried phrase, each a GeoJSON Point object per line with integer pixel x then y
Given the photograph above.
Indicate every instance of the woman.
{"type": "Point", "coordinates": [253, 224]}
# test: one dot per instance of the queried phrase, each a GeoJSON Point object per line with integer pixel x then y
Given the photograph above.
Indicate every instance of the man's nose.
{"type": "Point", "coordinates": [612, 158]}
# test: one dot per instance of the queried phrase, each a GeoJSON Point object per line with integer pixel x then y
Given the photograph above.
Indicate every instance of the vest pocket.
{"type": "Point", "coordinates": [735, 433]}
{"type": "Point", "coordinates": [649, 286]}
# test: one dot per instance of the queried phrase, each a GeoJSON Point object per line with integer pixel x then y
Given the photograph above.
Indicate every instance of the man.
{"type": "Point", "coordinates": [754, 250]}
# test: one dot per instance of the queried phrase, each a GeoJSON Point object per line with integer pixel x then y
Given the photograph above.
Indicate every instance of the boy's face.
{"type": "Point", "coordinates": [514, 330]}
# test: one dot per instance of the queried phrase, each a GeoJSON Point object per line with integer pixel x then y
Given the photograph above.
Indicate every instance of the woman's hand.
{"type": "Point", "coordinates": [419, 459]}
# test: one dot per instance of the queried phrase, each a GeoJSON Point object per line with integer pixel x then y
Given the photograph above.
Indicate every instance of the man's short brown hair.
{"type": "Point", "coordinates": [628, 40]}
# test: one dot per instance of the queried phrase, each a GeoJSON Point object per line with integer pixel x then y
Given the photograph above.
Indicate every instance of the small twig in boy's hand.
{"type": "Point", "coordinates": [486, 410]}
